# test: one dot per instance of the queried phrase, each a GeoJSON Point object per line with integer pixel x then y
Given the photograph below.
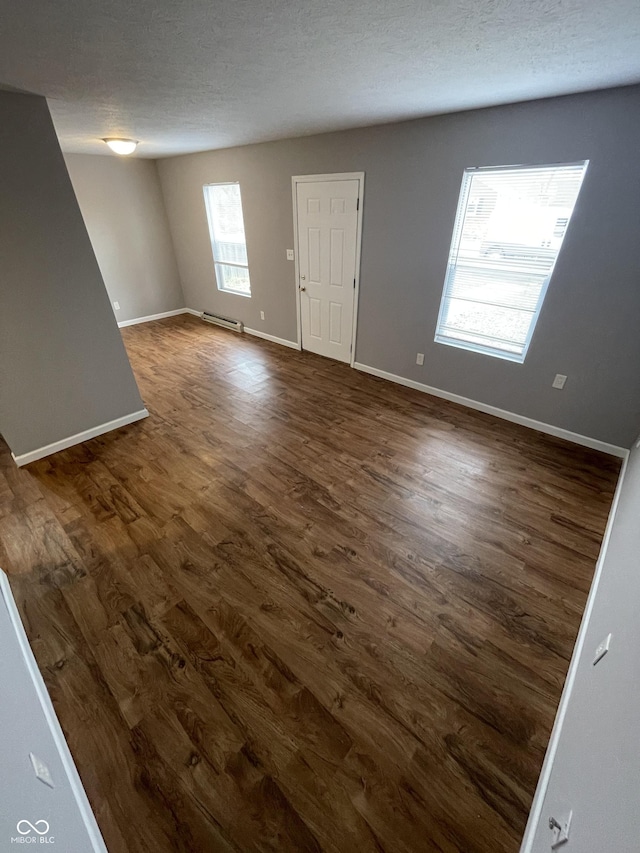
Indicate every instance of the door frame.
{"type": "Point", "coordinates": [308, 179]}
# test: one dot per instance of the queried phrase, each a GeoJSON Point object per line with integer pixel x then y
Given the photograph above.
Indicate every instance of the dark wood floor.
{"type": "Point", "coordinates": [300, 608]}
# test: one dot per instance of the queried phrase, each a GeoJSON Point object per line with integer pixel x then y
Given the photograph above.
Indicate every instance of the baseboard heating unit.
{"type": "Point", "coordinates": [235, 325]}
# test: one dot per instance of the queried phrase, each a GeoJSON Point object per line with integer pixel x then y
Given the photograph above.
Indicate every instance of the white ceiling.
{"type": "Point", "coordinates": [188, 75]}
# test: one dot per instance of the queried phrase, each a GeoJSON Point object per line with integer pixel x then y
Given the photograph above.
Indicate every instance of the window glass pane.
{"type": "Point", "coordinates": [488, 283]}
{"type": "Point", "coordinates": [235, 279]}
{"type": "Point", "coordinates": [226, 228]}
{"type": "Point", "coordinates": [508, 231]}
{"type": "Point", "coordinates": [228, 250]}
{"type": "Point", "coordinates": [496, 327]}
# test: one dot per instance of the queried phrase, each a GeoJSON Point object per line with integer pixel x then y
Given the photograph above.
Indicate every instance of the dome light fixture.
{"type": "Point", "coordinates": [122, 146]}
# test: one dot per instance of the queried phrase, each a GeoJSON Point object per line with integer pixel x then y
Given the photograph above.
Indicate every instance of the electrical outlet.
{"type": "Point", "coordinates": [602, 649]}
{"type": "Point", "coordinates": [420, 358]}
{"type": "Point", "coordinates": [559, 381]}
{"type": "Point", "coordinates": [290, 255]}
{"type": "Point", "coordinates": [116, 305]}
{"type": "Point", "coordinates": [262, 315]}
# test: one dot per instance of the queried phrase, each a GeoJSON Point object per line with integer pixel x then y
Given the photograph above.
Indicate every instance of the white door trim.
{"type": "Point", "coordinates": [341, 176]}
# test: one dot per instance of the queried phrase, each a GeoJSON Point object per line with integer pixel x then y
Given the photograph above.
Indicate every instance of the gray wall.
{"type": "Point", "coordinates": [589, 326]}
{"type": "Point", "coordinates": [596, 771]}
{"type": "Point", "coordinates": [121, 202]}
{"type": "Point", "coordinates": [28, 725]}
{"type": "Point", "coordinates": [63, 367]}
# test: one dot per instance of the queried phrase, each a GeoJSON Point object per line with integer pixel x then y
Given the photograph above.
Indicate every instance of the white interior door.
{"type": "Point", "coordinates": [327, 220]}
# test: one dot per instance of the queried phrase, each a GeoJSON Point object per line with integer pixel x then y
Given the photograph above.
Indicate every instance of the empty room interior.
{"type": "Point", "coordinates": [319, 426]}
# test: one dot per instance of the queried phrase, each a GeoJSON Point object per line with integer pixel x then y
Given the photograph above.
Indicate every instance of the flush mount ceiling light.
{"type": "Point", "coordinates": [122, 146]}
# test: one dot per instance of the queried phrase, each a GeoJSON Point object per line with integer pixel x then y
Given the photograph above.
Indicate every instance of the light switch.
{"type": "Point", "coordinates": [41, 770]}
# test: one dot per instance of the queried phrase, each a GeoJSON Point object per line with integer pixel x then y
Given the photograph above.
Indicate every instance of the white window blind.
{"type": "Point", "coordinates": [508, 230]}
{"type": "Point", "coordinates": [226, 228]}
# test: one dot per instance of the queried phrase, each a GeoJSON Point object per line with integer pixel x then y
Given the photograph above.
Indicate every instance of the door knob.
{"type": "Point", "coordinates": [303, 288]}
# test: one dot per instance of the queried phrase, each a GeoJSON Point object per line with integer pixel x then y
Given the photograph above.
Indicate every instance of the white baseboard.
{"type": "Point", "coordinates": [282, 341]}
{"type": "Point", "coordinates": [549, 429]}
{"type": "Point", "coordinates": [151, 317]}
{"type": "Point", "coordinates": [78, 438]}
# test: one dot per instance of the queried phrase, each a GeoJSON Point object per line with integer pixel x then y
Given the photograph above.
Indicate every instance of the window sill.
{"type": "Point", "coordinates": [234, 292]}
{"type": "Point", "coordinates": [506, 356]}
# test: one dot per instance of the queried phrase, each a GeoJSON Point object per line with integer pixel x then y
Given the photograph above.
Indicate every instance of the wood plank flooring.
{"type": "Point", "coordinates": [300, 608]}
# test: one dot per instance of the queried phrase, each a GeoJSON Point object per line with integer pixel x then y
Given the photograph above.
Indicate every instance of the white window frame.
{"type": "Point", "coordinates": [216, 262]}
{"type": "Point", "coordinates": [453, 249]}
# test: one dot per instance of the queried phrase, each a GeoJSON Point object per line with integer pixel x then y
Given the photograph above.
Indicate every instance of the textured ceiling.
{"type": "Point", "coordinates": [187, 75]}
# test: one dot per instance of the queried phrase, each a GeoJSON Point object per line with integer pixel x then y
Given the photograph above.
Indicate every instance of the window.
{"type": "Point", "coordinates": [508, 231]}
{"type": "Point", "coordinates": [226, 227]}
